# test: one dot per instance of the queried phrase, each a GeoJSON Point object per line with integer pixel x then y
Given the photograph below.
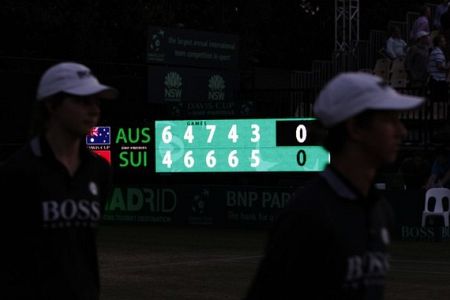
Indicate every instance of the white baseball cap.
{"type": "Point", "coordinates": [351, 93]}
{"type": "Point", "coordinates": [72, 78]}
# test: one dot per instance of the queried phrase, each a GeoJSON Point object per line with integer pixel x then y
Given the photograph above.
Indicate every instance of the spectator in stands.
{"type": "Point", "coordinates": [438, 12]}
{"type": "Point", "coordinates": [440, 170]}
{"type": "Point", "coordinates": [416, 60]}
{"type": "Point", "coordinates": [445, 26]}
{"type": "Point", "coordinates": [422, 23]}
{"type": "Point", "coordinates": [396, 47]}
{"type": "Point", "coordinates": [438, 69]}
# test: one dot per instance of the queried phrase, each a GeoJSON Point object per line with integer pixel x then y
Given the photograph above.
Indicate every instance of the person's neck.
{"type": "Point", "coordinates": [357, 169]}
{"type": "Point", "coordinates": [65, 147]}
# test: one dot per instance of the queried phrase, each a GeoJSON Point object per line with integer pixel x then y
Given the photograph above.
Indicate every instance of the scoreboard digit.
{"type": "Point", "coordinates": [240, 145]}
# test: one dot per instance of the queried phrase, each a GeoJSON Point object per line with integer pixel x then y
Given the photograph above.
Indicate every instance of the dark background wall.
{"type": "Point", "coordinates": [272, 33]}
{"type": "Point", "coordinates": [110, 36]}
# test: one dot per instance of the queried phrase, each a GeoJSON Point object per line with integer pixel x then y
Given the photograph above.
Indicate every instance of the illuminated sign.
{"type": "Point", "coordinates": [133, 144]}
{"type": "Point", "coordinates": [243, 145]}
{"type": "Point", "coordinates": [192, 48]}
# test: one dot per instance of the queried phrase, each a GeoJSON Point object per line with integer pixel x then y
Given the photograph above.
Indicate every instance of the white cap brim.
{"type": "Point", "coordinates": [102, 91]}
{"type": "Point", "coordinates": [397, 102]}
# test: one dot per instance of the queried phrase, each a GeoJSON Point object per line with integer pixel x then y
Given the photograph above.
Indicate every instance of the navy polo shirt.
{"type": "Point", "coordinates": [53, 218]}
{"type": "Point", "coordinates": [330, 243]}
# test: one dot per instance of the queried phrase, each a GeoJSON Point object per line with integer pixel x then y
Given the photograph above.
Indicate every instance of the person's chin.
{"type": "Point", "coordinates": [389, 158]}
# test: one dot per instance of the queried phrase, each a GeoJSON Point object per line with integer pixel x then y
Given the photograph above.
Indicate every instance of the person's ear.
{"type": "Point", "coordinates": [52, 106]}
{"type": "Point", "coordinates": [353, 130]}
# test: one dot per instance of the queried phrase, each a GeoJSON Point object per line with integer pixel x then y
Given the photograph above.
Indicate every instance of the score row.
{"type": "Point", "coordinates": [310, 158]}
{"type": "Point", "coordinates": [241, 133]}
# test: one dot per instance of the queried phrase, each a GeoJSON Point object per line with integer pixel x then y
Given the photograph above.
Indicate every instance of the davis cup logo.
{"type": "Point", "coordinates": [155, 41]}
{"type": "Point", "coordinates": [155, 46]}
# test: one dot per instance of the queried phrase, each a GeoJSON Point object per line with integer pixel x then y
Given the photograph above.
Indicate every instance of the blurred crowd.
{"type": "Point", "coordinates": [424, 53]}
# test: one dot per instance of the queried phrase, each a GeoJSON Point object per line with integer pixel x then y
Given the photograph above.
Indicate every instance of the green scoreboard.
{"type": "Point", "coordinates": [239, 145]}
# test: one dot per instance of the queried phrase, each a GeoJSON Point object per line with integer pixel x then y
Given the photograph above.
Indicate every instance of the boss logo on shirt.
{"type": "Point", "coordinates": [70, 212]}
{"type": "Point", "coordinates": [369, 269]}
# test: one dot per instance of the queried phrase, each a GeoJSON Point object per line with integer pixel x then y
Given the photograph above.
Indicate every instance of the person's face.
{"type": "Point", "coordinates": [396, 33]}
{"type": "Point", "coordinates": [425, 40]}
{"type": "Point", "coordinates": [380, 139]}
{"type": "Point", "coordinates": [77, 115]}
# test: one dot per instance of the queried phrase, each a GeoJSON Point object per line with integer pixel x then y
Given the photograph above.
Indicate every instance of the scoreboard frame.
{"type": "Point", "coordinates": [238, 145]}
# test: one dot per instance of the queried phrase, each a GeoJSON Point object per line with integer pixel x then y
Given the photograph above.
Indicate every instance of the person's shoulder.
{"type": "Point", "coordinates": [309, 205]}
{"type": "Point", "coordinates": [19, 157]}
{"type": "Point", "coordinates": [312, 195]}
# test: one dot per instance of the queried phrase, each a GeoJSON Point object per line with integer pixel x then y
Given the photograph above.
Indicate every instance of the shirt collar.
{"type": "Point", "coordinates": [40, 147]}
{"type": "Point", "coordinates": [343, 187]}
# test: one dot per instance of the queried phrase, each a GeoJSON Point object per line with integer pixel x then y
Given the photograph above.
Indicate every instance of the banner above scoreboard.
{"type": "Point", "coordinates": [185, 47]}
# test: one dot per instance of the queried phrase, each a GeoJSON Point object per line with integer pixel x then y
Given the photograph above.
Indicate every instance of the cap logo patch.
{"type": "Point", "coordinates": [84, 74]}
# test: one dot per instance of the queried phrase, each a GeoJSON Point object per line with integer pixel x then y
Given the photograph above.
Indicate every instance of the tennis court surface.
{"type": "Point", "coordinates": [193, 262]}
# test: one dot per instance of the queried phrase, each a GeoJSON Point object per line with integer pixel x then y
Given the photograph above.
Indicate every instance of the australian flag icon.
{"type": "Point", "coordinates": [100, 135]}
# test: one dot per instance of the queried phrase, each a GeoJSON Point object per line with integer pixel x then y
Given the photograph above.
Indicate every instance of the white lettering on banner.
{"type": "Point", "coordinates": [134, 199]}
{"type": "Point", "coordinates": [445, 233]}
{"type": "Point", "coordinates": [199, 55]}
{"type": "Point", "coordinates": [221, 45]}
{"type": "Point", "coordinates": [216, 96]}
{"type": "Point", "coordinates": [244, 198]}
{"type": "Point", "coordinates": [146, 219]}
{"type": "Point", "coordinates": [172, 93]}
{"type": "Point", "coordinates": [185, 42]}
{"type": "Point", "coordinates": [201, 43]}
{"type": "Point", "coordinates": [414, 232]}
{"type": "Point", "coordinates": [275, 200]}
{"type": "Point", "coordinates": [69, 209]}
{"type": "Point", "coordinates": [250, 198]}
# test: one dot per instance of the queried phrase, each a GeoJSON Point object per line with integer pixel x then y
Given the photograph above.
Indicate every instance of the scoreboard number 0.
{"type": "Point", "coordinates": [301, 157]}
{"type": "Point", "coordinates": [301, 133]}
